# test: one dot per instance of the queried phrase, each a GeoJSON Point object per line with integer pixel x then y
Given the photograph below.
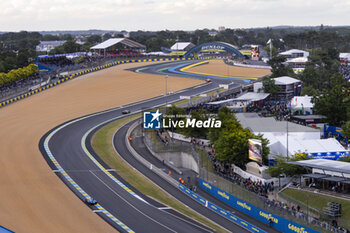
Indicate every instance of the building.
{"type": "Point", "coordinates": [294, 53]}
{"type": "Point", "coordinates": [180, 48]}
{"type": "Point", "coordinates": [119, 47]}
{"type": "Point", "coordinates": [221, 28]}
{"type": "Point", "coordinates": [302, 105]}
{"type": "Point", "coordinates": [344, 58]}
{"type": "Point", "coordinates": [213, 33]}
{"type": "Point", "coordinates": [47, 46]}
{"type": "Point", "coordinates": [290, 87]}
{"type": "Point", "coordinates": [326, 174]}
{"type": "Point", "coordinates": [288, 138]}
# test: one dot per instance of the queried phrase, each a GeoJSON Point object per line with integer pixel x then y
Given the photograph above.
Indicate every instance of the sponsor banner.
{"type": "Point", "coordinates": [255, 150]}
{"type": "Point", "coordinates": [278, 222]}
{"type": "Point", "coordinates": [221, 211]}
{"type": "Point", "coordinates": [330, 155]}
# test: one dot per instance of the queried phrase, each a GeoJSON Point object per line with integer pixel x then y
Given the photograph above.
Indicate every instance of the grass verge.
{"type": "Point", "coordinates": [102, 144]}
{"type": "Point", "coordinates": [320, 201]}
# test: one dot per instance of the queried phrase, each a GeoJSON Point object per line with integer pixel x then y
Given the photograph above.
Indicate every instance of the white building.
{"type": "Point", "coordinates": [300, 139]}
{"type": "Point", "coordinates": [294, 53]}
{"type": "Point", "coordinates": [302, 104]}
{"type": "Point", "coordinates": [182, 46]}
{"type": "Point", "coordinates": [47, 46]}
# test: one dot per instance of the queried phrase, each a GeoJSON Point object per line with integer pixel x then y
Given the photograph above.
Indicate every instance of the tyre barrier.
{"type": "Point", "coordinates": [75, 75]}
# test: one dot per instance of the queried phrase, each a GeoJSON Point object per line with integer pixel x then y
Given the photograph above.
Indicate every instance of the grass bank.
{"type": "Point", "coordinates": [102, 144]}
{"type": "Point", "coordinates": [320, 201]}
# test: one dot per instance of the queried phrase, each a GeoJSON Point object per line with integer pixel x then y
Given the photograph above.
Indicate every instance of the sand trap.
{"type": "Point", "coordinates": [33, 198]}
{"type": "Point", "coordinates": [218, 67]}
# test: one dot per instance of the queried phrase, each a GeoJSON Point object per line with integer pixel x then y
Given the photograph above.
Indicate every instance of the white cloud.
{"type": "Point", "coordinates": [168, 14]}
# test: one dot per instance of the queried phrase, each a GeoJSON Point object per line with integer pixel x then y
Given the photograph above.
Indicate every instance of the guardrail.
{"type": "Point", "coordinates": [275, 221]}
{"type": "Point", "coordinates": [143, 160]}
{"type": "Point", "coordinates": [220, 211]}
{"type": "Point", "coordinates": [77, 74]}
{"type": "Point", "coordinates": [187, 191]}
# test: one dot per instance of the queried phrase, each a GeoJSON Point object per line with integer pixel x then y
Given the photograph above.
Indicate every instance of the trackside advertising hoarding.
{"type": "Point", "coordinates": [279, 223]}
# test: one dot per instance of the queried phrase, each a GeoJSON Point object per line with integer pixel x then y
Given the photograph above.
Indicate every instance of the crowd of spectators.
{"type": "Point", "coordinates": [279, 109]}
{"type": "Point", "coordinates": [344, 69]}
{"type": "Point", "coordinates": [9, 89]}
{"type": "Point", "coordinates": [262, 189]}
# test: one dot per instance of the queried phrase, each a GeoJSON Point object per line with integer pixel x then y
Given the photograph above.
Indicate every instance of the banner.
{"type": "Point", "coordinates": [278, 222]}
{"type": "Point", "coordinates": [255, 150]}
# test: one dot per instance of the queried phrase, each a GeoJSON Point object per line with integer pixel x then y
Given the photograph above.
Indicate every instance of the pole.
{"type": "Point", "coordinates": [287, 139]}
{"type": "Point", "coordinates": [166, 90]}
{"type": "Point", "coordinates": [270, 48]}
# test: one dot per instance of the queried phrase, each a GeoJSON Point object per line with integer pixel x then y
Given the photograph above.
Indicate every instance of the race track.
{"type": "Point", "coordinates": [34, 199]}
{"type": "Point", "coordinates": [32, 189]}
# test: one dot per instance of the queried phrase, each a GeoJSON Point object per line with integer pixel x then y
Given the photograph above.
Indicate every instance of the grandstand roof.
{"type": "Point", "coordinates": [269, 124]}
{"type": "Point", "coordinates": [113, 41]}
{"type": "Point", "coordinates": [325, 164]}
{"type": "Point", "coordinates": [285, 80]}
{"type": "Point", "coordinates": [253, 96]}
{"type": "Point", "coordinates": [182, 46]}
{"type": "Point", "coordinates": [290, 52]}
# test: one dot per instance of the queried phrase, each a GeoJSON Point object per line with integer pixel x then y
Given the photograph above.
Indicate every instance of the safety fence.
{"type": "Point", "coordinates": [219, 210]}
{"type": "Point", "coordinates": [264, 216]}
{"type": "Point", "coordinates": [77, 74]}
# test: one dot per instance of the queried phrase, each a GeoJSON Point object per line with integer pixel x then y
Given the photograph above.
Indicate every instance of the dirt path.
{"type": "Point", "coordinates": [218, 67]}
{"type": "Point", "coordinates": [33, 198]}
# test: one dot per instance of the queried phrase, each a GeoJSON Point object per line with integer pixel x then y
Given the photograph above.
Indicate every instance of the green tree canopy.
{"type": "Point", "coordinates": [278, 68]}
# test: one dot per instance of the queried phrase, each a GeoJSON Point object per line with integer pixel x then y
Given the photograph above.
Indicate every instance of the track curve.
{"type": "Point", "coordinates": [64, 153]}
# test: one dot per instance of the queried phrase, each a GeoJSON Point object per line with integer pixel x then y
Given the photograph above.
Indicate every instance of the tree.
{"type": "Point", "coordinates": [269, 86]}
{"type": "Point", "coordinates": [274, 50]}
{"type": "Point", "coordinates": [283, 168]}
{"type": "Point", "coordinates": [94, 39]}
{"type": "Point", "coordinates": [231, 140]}
{"type": "Point", "coordinates": [195, 132]}
{"type": "Point", "coordinates": [334, 103]}
{"type": "Point", "coordinates": [278, 68]}
{"type": "Point", "coordinates": [346, 129]}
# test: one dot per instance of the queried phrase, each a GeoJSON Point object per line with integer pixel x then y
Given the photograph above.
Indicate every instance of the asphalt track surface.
{"type": "Point", "coordinates": [125, 209]}
{"type": "Point", "coordinates": [140, 148]}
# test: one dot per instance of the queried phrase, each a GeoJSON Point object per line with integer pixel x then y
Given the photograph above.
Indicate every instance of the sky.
{"type": "Point", "coordinates": [154, 15]}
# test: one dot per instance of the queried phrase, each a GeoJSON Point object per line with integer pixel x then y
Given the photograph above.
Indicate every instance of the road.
{"type": "Point", "coordinates": [119, 204]}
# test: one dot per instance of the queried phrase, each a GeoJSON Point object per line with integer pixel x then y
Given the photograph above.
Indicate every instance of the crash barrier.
{"type": "Point", "coordinates": [75, 75]}
{"type": "Point", "coordinates": [219, 210]}
{"type": "Point", "coordinates": [273, 220]}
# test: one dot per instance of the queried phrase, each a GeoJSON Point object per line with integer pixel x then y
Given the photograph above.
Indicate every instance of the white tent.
{"type": "Point", "coordinates": [293, 53]}
{"type": "Point", "coordinates": [182, 46]}
{"type": "Point", "coordinates": [302, 104]}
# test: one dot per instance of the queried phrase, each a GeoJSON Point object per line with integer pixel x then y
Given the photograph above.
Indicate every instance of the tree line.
{"type": "Point", "coordinates": [17, 74]}
{"type": "Point", "coordinates": [230, 141]}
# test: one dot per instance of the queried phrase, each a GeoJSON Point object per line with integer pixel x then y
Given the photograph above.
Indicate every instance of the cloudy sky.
{"type": "Point", "coordinates": [131, 15]}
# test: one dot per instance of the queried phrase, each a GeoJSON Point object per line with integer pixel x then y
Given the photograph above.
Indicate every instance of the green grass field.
{"type": "Point", "coordinates": [102, 144]}
{"type": "Point", "coordinates": [320, 201]}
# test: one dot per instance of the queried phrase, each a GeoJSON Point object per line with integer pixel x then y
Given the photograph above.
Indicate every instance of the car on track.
{"type": "Point", "coordinates": [126, 111]}
{"type": "Point", "coordinates": [208, 80]}
{"type": "Point", "coordinates": [90, 201]}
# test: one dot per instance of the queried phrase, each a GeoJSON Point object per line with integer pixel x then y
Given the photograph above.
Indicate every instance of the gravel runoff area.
{"type": "Point", "coordinates": [33, 198]}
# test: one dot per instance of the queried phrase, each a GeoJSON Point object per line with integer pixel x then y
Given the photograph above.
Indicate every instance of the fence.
{"type": "Point", "coordinates": [308, 216]}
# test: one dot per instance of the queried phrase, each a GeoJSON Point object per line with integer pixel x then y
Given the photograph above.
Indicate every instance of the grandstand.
{"type": "Point", "coordinates": [119, 47]}
{"type": "Point", "coordinates": [54, 63]}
